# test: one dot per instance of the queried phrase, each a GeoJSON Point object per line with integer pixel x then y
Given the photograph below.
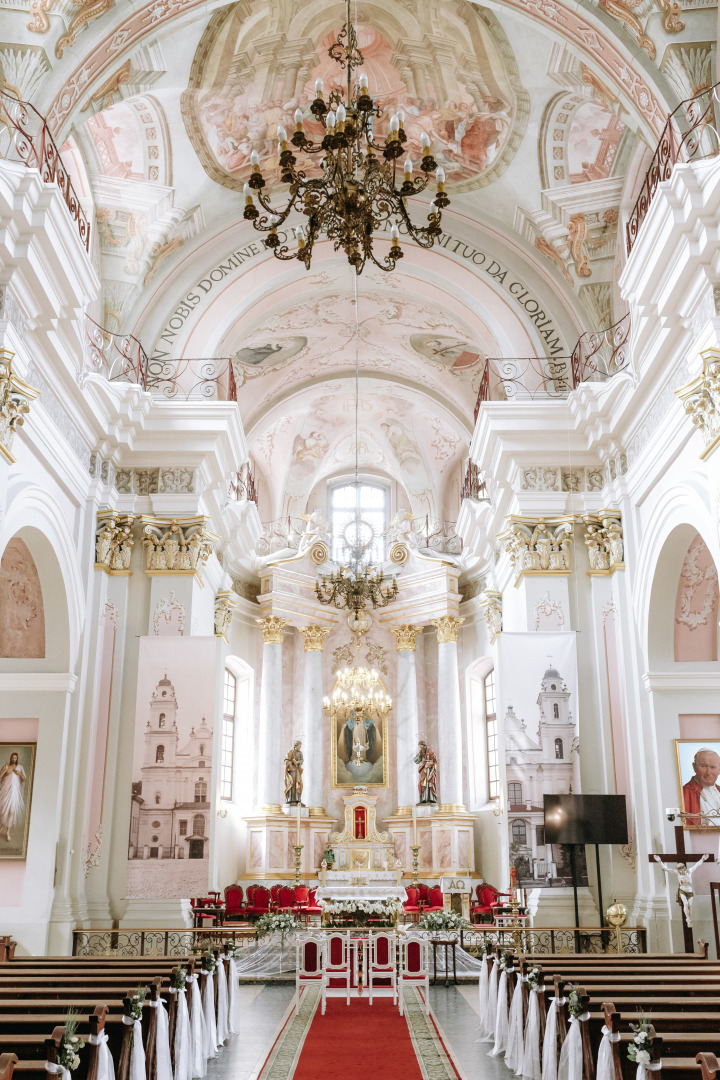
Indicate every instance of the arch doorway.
{"type": "Point", "coordinates": [196, 848]}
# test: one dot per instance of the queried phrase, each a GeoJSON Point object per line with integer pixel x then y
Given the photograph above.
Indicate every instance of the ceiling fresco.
{"type": "Point", "coordinates": [543, 113]}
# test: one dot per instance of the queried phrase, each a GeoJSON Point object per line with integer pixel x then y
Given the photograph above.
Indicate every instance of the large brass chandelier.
{"type": "Point", "coordinates": [357, 691]}
{"type": "Point", "coordinates": [360, 192]}
{"type": "Point", "coordinates": [356, 587]}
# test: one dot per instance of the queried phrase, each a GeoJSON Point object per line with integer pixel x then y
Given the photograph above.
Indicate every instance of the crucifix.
{"type": "Point", "coordinates": [685, 890]}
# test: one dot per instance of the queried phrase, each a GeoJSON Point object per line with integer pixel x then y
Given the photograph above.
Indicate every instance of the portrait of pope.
{"type": "Point", "coordinates": [699, 766]}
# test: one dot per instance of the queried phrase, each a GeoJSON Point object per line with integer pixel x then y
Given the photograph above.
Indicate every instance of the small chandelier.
{"type": "Point", "coordinates": [354, 588]}
{"type": "Point", "coordinates": [360, 191]}
{"type": "Point", "coordinates": [358, 690]}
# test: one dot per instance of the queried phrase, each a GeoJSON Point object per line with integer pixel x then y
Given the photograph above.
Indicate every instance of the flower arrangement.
{"type": "Point", "coordinates": [179, 978]}
{"type": "Point", "coordinates": [68, 1055]}
{"type": "Point", "coordinates": [137, 1001]}
{"type": "Point", "coordinates": [230, 947]}
{"type": "Point", "coordinates": [208, 961]}
{"type": "Point", "coordinates": [276, 924]}
{"type": "Point", "coordinates": [507, 961]}
{"type": "Point", "coordinates": [442, 920]}
{"type": "Point", "coordinates": [640, 1049]}
{"type": "Point", "coordinates": [358, 912]}
{"type": "Point", "coordinates": [574, 1001]}
{"type": "Point", "coordinates": [533, 978]}
{"type": "Point", "coordinates": [329, 857]}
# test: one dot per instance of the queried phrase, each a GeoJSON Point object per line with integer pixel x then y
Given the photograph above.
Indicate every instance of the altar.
{"type": "Point", "coordinates": [366, 865]}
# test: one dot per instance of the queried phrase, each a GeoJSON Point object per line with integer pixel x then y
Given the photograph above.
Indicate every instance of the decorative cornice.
{"type": "Point", "coordinates": [405, 636]}
{"type": "Point", "coordinates": [491, 607]}
{"type": "Point", "coordinates": [701, 400]}
{"type": "Point", "coordinates": [684, 680]}
{"type": "Point", "coordinates": [31, 682]}
{"type": "Point", "coordinates": [114, 542]}
{"type": "Point", "coordinates": [15, 398]}
{"type": "Point", "coordinates": [273, 629]}
{"type": "Point", "coordinates": [604, 541]}
{"type": "Point", "coordinates": [538, 545]}
{"type": "Point", "coordinates": [314, 636]}
{"type": "Point", "coordinates": [447, 628]}
{"type": "Point", "coordinates": [225, 604]}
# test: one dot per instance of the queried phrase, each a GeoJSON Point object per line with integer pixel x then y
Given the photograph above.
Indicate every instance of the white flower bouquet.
{"type": "Point", "coordinates": [359, 912]}
{"type": "Point", "coordinates": [442, 920]}
{"type": "Point", "coordinates": [640, 1049]}
{"type": "Point", "coordinates": [68, 1054]}
{"type": "Point", "coordinates": [276, 924]}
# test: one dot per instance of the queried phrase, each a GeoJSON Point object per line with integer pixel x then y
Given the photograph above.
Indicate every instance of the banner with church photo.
{"type": "Point", "coordinates": [537, 709]}
{"type": "Point", "coordinates": [172, 775]}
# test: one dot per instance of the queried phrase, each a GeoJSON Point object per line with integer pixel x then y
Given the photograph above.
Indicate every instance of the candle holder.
{"type": "Point", "coordinates": [416, 853]}
{"type": "Point", "coordinates": [298, 850]}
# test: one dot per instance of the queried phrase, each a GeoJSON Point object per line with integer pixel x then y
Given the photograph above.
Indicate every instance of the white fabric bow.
{"type": "Point", "coordinates": [106, 1069]}
{"type": "Point", "coordinates": [501, 1017]}
{"type": "Point", "coordinates": [210, 1047]}
{"type": "Point", "coordinates": [233, 997]}
{"type": "Point", "coordinates": [57, 1070]}
{"type": "Point", "coordinates": [652, 1066]}
{"type": "Point", "coordinates": [549, 1057]}
{"type": "Point", "coordinates": [223, 1017]}
{"type": "Point", "coordinates": [531, 1065]}
{"type": "Point", "coordinates": [605, 1069]}
{"type": "Point", "coordinates": [162, 1041]}
{"type": "Point", "coordinates": [183, 1036]}
{"type": "Point", "coordinates": [197, 1027]}
{"type": "Point", "coordinates": [491, 1011]}
{"type": "Point", "coordinates": [570, 1066]}
{"type": "Point", "coordinates": [483, 990]}
{"type": "Point", "coordinates": [137, 1054]}
{"type": "Point", "coordinates": [514, 1052]}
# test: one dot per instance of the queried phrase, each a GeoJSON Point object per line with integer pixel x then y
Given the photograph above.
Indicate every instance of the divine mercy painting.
{"type": "Point", "coordinates": [17, 769]}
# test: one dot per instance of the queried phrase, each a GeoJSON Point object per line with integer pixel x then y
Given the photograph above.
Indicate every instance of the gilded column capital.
{"type": "Point", "coordinates": [314, 636]}
{"type": "Point", "coordinates": [273, 629]}
{"type": "Point", "coordinates": [405, 636]}
{"type": "Point", "coordinates": [15, 398]}
{"type": "Point", "coordinates": [447, 628]}
{"type": "Point", "coordinates": [175, 546]}
{"type": "Point", "coordinates": [491, 606]}
{"type": "Point", "coordinates": [701, 400]}
{"type": "Point", "coordinates": [114, 542]}
{"type": "Point", "coordinates": [225, 604]}
{"type": "Point", "coordinates": [604, 541]}
{"type": "Point", "coordinates": [538, 545]}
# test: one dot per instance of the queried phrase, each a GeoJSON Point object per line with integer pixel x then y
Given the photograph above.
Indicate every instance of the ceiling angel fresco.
{"type": "Point", "coordinates": [241, 89]}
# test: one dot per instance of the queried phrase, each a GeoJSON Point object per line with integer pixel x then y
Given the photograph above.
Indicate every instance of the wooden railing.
{"type": "Point", "coordinates": [25, 137]}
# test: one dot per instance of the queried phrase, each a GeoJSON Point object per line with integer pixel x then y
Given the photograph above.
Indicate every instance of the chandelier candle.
{"type": "Point", "coordinates": [359, 192]}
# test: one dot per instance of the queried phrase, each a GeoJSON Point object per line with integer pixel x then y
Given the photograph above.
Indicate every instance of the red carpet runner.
{"type": "Point", "coordinates": [358, 1042]}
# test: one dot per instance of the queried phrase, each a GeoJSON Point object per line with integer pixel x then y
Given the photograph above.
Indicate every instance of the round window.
{"type": "Point", "coordinates": [155, 839]}
{"type": "Point", "coordinates": [552, 686]}
{"type": "Point", "coordinates": [164, 693]}
{"type": "Point", "coordinates": [156, 824]}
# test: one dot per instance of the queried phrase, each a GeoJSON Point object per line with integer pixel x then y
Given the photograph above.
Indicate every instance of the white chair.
{"type": "Point", "coordinates": [310, 961]}
{"type": "Point", "coordinates": [414, 969]}
{"type": "Point", "coordinates": [336, 969]}
{"type": "Point", "coordinates": [382, 962]}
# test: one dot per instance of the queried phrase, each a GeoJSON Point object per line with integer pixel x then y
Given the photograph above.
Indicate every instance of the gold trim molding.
{"type": "Point", "coordinates": [177, 547]}
{"type": "Point", "coordinates": [225, 604]}
{"type": "Point", "coordinates": [538, 545]}
{"type": "Point", "coordinates": [114, 543]}
{"type": "Point", "coordinates": [405, 636]}
{"type": "Point", "coordinates": [273, 629]}
{"type": "Point", "coordinates": [491, 607]}
{"type": "Point", "coordinates": [604, 541]}
{"type": "Point", "coordinates": [314, 636]}
{"type": "Point", "coordinates": [446, 628]}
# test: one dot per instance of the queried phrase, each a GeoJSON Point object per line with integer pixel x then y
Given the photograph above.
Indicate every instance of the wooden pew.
{"type": "Point", "coordinates": [708, 1066]}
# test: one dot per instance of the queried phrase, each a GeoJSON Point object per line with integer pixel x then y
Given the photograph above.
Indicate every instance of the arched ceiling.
{"type": "Point", "coordinates": [541, 112]}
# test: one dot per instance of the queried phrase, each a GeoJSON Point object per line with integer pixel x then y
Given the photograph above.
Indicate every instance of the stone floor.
{"type": "Point", "coordinates": [263, 1007]}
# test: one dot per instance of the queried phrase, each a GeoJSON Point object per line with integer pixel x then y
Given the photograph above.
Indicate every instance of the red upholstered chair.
{"type": "Point", "coordinates": [414, 969]}
{"type": "Point", "coordinates": [382, 962]}
{"type": "Point", "coordinates": [501, 899]}
{"type": "Point", "coordinates": [201, 917]}
{"type": "Point", "coordinates": [302, 893]}
{"type": "Point", "coordinates": [310, 957]}
{"type": "Point", "coordinates": [286, 899]}
{"type": "Point", "coordinates": [487, 895]}
{"type": "Point", "coordinates": [274, 895]}
{"type": "Point", "coordinates": [234, 906]}
{"type": "Point", "coordinates": [249, 895]}
{"type": "Point", "coordinates": [435, 899]}
{"type": "Point", "coordinates": [423, 891]}
{"type": "Point", "coordinates": [260, 903]}
{"type": "Point", "coordinates": [336, 972]}
{"type": "Point", "coordinates": [411, 906]}
{"type": "Point", "coordinates": [312, 907]}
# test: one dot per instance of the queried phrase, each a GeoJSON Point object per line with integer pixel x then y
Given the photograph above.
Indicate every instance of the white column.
{"type": "Point", "coordinates": [270, 755]}
{"type": "Point", "coordinates": [450, 743]}
{"type": "Point", "coordinates": [314, 722]}
{"type": "Point", "coordinates": [406, 714]}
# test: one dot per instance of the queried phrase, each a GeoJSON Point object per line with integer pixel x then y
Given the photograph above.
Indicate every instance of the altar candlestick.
{"type": "Point", "coordinates": [298, 823]}
{"type": "Point", "coordinates": [414, 817]}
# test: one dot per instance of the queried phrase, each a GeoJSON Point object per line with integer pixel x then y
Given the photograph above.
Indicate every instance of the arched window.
{"type": "Point", "coordinates": [161, 720]}
{"type": "Point", "coordinates": [227, 746]}
{"type": "Point", "coordinates": [201, 791]}
{"type": "Point", "coordinates": [491, 729]}
{"type": "Point", "coordinates": [519, 832]}
{"type": "Point", "coordinates": [159, 754]}
{"type": "Point", "coordinates": [515, 794]}
{"type": "Point", "coordinates": [202, 748]}
{"type": "Point", "coordinates": [556, 711]}
{"type": "Point", "coordinates": [559, 752]}
{"type": "Point", "coordinates": [198, 825]}
{"type": "Point", "coordinates": [370, 501]}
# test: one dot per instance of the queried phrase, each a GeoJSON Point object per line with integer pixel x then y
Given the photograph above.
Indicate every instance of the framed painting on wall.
{"type": "Point", "coordinates": [359, 750]}
{"type": "Point", "coordinates": [17, 772]}
{"type": "Point", "coordinates": [698, 768]}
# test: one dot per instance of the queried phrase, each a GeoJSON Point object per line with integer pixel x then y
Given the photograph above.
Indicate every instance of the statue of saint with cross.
{"type": "Point", "coordinates": [684, 872]}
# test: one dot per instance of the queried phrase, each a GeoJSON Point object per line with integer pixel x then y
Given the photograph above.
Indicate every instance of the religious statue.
{"type": "Point", "coordinates": [293, 774]}
{"type": "Point", "coordinates": [316, 529]}
{"type": "Point", "coordinates": [426, 759]}
{"type": "Point", "coordinates": [685, 893]}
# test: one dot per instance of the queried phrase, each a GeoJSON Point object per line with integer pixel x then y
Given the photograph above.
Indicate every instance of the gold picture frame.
{"type": "Point", "coordinates": [688, 784]}
{"type": "Point", "coordinates": [342, 776]}
{"type": "Point", "coordinates": [16, 789]}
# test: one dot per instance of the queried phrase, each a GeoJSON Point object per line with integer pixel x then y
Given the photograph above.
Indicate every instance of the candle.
{"type": "Point", "coordinates": [414, 815]}
{"type": "Point", "coordinates": [298, 825]}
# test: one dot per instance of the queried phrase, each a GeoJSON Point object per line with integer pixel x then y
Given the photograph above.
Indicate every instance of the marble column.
{"type": "Point", "coordinates": [450, 740]}
{"type": "Point", "coordinates": [314, 755]}
{"type": "Point", "coordinates": [270, 752]}
{"type": "Point", "coordinates": [406, 714]}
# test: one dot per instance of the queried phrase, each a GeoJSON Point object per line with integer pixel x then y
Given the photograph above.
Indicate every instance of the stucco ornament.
{"type": "Point", "coordinates": [165, 609]}
{"type": "Point", "coordinates": [701, 400]}
{"type": "Point", "coordinates": [541, 546]}
{"type": "Point", "coordinates": [694, 577]}
{"type": "Point", "coordinates": [114, 542]}
{"type": "Point", "coordinates": [224, 607]}
{"type": "Point", "coordinates": [15, 398]}
{"type": "Point", "coordinates": [491, 605]}
{"type": "Point", "coordinates": [604, 541]}
{"type": "Point", "coordinates": [176, 547]}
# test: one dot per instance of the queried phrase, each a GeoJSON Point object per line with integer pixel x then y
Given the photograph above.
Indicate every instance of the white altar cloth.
{"type": "Point", "coordinates": [353, 885]}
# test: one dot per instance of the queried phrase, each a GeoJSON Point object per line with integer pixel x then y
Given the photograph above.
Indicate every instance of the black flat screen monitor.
{"type": "Point", "coordinates": [585, 819]}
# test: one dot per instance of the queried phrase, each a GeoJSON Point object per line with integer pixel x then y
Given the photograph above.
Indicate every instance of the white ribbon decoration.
{"type": "Point", "coordinates": [514, 1052]}
{"type": "Point", "coordinates": [137, 1054]}
{"type": "Point", "coordinates": [549, 1058]}
{"type": "Point", "coordinates": [489, 1020]}
{"type": "Point", "coordinates": [531, 1064]}
{"type": "Point", "coordinates": [571, 1057]}
{"type": "Point", "coordinates": [197, 1030]}
{"type": "Point", "coordinates": [654, 1066]}
{"type": "Point", "coordinates": [183, 1037]}
{"type": "Point", "coordinates": [210, 1046]}
{"type": "Point", "coordinates": [605, 1070]}
{"type": "Point", "coordinates": [483, 990]}
{"type": "Point", "coordinates": [106, 1069]}
{"type": "Point", "coordinates": [163, 1063]}
{"type": "Point", "coordinates": [57, 1070]}
{"type": "Point", "coordinates": [501, 1017]}
{"type": "Point", "coordinates": [233, 997]}
{"type": "Point", "coordinates": [223, 1012]}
